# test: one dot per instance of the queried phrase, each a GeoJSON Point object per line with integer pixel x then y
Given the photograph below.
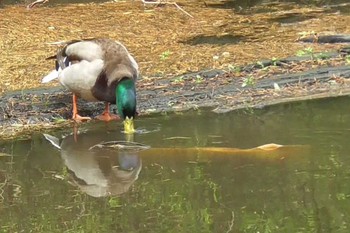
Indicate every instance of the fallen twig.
{"type": "Point", "coordinates": [169, 3]}
{"type": "Point", "coordinates": [36, 3]}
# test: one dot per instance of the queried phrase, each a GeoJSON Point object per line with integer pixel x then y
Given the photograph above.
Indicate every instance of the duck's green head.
{"type": "Point", "coordinates": [126, 103]}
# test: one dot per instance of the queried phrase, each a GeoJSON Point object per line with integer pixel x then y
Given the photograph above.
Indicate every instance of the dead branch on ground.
{"type": "Point", "coordinates": [160, 2]}
{"type": "Point", "coordinates": [36, 3]}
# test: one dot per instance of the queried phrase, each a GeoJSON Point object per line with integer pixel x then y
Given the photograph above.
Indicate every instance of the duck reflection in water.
{"type": "Point", "coordinates": [97, 171]}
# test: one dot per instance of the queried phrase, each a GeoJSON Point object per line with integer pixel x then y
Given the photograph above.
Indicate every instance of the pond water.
{"type": "Point", "coordinates": [77, 189]}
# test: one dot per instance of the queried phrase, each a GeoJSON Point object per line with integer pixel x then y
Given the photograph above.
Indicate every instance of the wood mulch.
{"type": "Point", "coordinates": [165, 41]}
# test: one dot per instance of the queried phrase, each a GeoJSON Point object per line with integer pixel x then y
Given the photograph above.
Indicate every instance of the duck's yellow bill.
{"type": "Point", "coordinates": [129, 125]}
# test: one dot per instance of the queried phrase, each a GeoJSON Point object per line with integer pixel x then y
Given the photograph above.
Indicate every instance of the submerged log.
{"type": "Point", "coordinates": [268, 151]}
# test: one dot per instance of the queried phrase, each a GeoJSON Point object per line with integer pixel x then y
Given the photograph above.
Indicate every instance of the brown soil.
{"type": "Point", "coordinates": [151, 33]}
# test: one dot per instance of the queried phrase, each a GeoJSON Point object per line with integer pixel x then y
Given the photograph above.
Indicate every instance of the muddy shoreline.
{"type": "Point", "coordinates": [273, 82]}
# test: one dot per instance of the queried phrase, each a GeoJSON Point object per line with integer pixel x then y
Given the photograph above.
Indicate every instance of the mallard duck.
{"type": "Point", "coordinates": [98, 70]}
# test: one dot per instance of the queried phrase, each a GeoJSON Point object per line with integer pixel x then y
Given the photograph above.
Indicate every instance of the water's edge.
{"type": "Point", "coordinates": [23, 109]}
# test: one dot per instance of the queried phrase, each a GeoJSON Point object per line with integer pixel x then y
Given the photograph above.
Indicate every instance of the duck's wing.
{"type": "Point", "coordinates": [74, 52]}
{"type": "Point", "coordinates": [119, 63]}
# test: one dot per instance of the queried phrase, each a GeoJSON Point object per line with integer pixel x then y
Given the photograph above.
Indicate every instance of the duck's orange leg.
{"type": "Point", "coordinates": [76, 116]}
{"type": "Point", "coordinates": [75, 132]}
{"type": "Point", "coordinates": [106, 115]}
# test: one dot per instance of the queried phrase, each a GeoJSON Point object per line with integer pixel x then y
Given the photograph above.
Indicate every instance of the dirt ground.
{"type": "Point", "coordinates": [210, 59]}
{"type": "Point", "coordinates": [165, 41]}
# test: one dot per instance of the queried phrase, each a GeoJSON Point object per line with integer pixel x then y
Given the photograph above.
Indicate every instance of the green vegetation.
{"type": "Point", "coordinates": [310, 52]}
{"type": "Point", "coordinates": [262, 66]}
{"type": "Point", "coordinates": [321, 56]}
{"type": "Point", "coordinates": [274, 61]}
{"type": "Point", "coordinates": [165, 55]}
{"type": "Point", "coordinates": [248, 81]}
{"type": "Point", "coordinates": [199, 79]}
{"type": "Point", "coordinates": [178, 80]}
{"type": "Point", "coordinates": [59, 120]}
{"type": "Point", "coordinates": [114, 202]}
{"type": "Point", "coordinates": [305, 52]}
{"type": "Point", "coordinates": [233, 68]}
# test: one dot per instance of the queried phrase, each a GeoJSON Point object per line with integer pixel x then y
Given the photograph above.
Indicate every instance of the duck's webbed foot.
{"type": "Point", "coordinates": [107, 116]}
{"type": "Point", "coordinates": [77, 118]}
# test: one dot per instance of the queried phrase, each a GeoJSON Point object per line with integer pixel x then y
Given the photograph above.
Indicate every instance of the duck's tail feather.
{"type": "Point", "coordinates": [51, 76]}
{"type": "Point", "coordinates": [53, 140]}
{"type": "Point", "coordinates": [51, 57]}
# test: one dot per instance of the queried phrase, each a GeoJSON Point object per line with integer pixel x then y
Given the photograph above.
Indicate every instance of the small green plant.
{"type": "Point", "coordinates": [65, 172]}
{"type": "Point", "coordinates": [304, 52]}
{"type": "Point", "coordinates": [199, 79]}
{"type": "Point", "coordinates": [260, 64]}
{"type": "Point", "coordinates": [249, 110]}
{"type": "Point", "coordinates": [233, 68]}
{"type": "Point", "coordinates": [165, 55]}
{"type": "Point", "coordinates": [249, 81]}
{"type": "Point", "coordinates": [114, 202]}
{"type": "Point", "coordinates": [347, 59]}
{"type": "Point", "coordinates": [214, 186]}
{"type": "Point", "coordinates": [274, 61]}
{"type": "Point", "coordinates": [341, 196]}
{"type": "Point", "coordinates": [263, 67]}
{"type": "Point", "coordinates": [322, 56]}
{"type": "Point", "coordinates": [179, 79]}
{"type": "Point", "coordinates": [58, 120]}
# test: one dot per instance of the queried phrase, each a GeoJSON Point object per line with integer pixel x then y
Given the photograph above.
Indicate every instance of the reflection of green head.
{"type": "Point", "coordinates": [126, 103]}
